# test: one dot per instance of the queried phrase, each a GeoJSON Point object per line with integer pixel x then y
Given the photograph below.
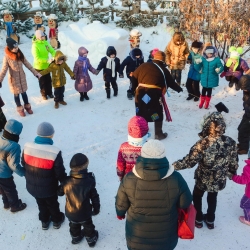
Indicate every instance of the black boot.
{"type": "Point", "coordinates": [92, 240]}
{"type": "Point", "coordinates": [108, 93]}
{"type": "Point", "coordinates": [81, 97]}
{"type": "Point", "coordinates": [115, 91]}
{"type": "Point", "coordinates": [18, 207]}
{"type": "Point", "coordinates": [86, 96]}
{"type": "Point", "coordinates": [159, 135]}
{"type": "Point", "coordinates": [129, 94]}
{"type": "Point", "coordinates": [190, 97]}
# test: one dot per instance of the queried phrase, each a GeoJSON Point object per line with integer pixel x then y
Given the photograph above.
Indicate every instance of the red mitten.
{"type": "Point", "coordinates": [120, 217]}
{"type": "Point", "coordinates": [223, 74]}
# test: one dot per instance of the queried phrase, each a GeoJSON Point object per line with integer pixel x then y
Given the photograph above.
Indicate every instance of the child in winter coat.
{"type": "Point", "coordinates": [210, 67]}
{"type": "Point", "coordinates": [244, 128]}
{"type": "Point", "coordinates": [234, 67]}
{"type": "Point", "coordinates": [130, 150]}
{"type": "Point", "coordinates": [9, 163]}
{"type": "Point", "coordinates": [176, 55]}
{"type": "Point", "coordinates": [194, 77]}
{"type": "Point", "coordinates": [216, 156]}
{"type": "Point", "coordinates": [57, 68]}
{"type": "Point", "coordinates": [83, 83]}
{"type": "Point", "coordinates": [131, 62]}
{"type": "Point", "coordinates": [110, 65]}
{"type": "Point", "coordinates": [14, 61]}
{"type": "Point", "coordinates": [151, 54]}
{"type": "Point", "coordinates": [244, 178]}
{"type": "Point", "coordinates": [79, 189]}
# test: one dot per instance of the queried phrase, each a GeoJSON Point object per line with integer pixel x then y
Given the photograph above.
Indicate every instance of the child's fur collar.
{"type": "Point", "coordinates": [11, 55]}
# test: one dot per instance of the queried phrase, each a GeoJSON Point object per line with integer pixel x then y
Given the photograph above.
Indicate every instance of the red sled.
{"type": "Point", "coordinates": [186, 222]}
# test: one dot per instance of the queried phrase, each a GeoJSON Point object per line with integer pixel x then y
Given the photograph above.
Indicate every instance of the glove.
{"type": "Point", "coordinates": [223, 74]}
{"type": "Point", "coordinates": [0, 85]}
{"type": "Point", "coordinates": [120, 217]}
{"type": "Point", "coordinates": [95, 212]}
{"type": "Point", "coordinates": [198, 60]}
{"type": "Point", "coordinates": [38, 75]}
{"type": "Point", "coordinates": [121, 76]}
{"type": "Point", "coordinates": [217, 70]}
{"type": "Point", "coordinates": [73, 77]}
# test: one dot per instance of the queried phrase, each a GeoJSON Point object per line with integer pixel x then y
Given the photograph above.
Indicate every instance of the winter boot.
{"type": "Point", "coordinates": [20, 110]}
{"type": "Point", "coordinates": [210, 225]}
{"type": "Point", "coordinates": [45, 225]}
{"type": "Point", "coordinates": [237, 86]}
{"type": "Point", "coordinates": [63, 102]}
{"type": "Point", "coordinates": [28, 108]}
{"type": "Point", "coordinates": [207, 101]}
{"type": "Point", "coordinates": [56, 105]}
{"type": "Point", "coordinates": [198, 224]}
{"type": "Point", "coordinates": [115, 91]}
{"type": "Point", "coordinates": [202, 100]}
{"type": "Point", "coordinates": [20, 206]}
{"type": "Point", "coordinates": [86, 96]}
{"type": "Point", "coordinates": [159, 135]}
{"type": "Point", "coordinates": [108, 93]}
{"type": "Point", "coordinates": [6, 205]}
{"type": "Point", "coordinates": [51, 96]}
{"type": "Point", "coordinates": [77, 239]}
{"type": "Point", "coordinates": [230, 84]}
{"type": "Point", "coordinates": [92, 240]}
{"type": "Point", "coordinates": [129, 94]}
{"type": "Point", "coordinates": [196, 99]}
{"type": "Point", "coordinates": [57, 225]}
{"type": "Point", "coordinates": [81, 97]}
{"type": "Point", "coordinates": [190, 97]}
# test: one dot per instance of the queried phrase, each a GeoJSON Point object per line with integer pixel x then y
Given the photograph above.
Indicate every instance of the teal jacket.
{"type": "Point", "coordinates": [40, 51]}
{"type": "Point", "coordinates": [193, 73]}
{"type": "Point", "coordinates": [209, 77]}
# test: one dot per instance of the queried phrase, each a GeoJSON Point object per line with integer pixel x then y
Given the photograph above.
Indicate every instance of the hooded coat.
{"type": "Point", "coordinates": [107, 73]}
{"type": "Point", "coordinates": [58, 75]}
{"type": "Point", "coordinates": [151, 195]}
{"type": "Point", "coordinates": [176, 55]}
{"type": "Point", "coordinates": [148, 100]}
{"type": "Point", "coordinates": [83, 82]}
{"type": "Point", "coordinates": [215, 154]}
{"type": "Point", "coordinates": [131, 62]}
{"type": "Point", "coordinates": [16, 77]}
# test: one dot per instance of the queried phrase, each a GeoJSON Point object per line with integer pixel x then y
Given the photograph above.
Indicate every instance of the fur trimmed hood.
{"type": "Point", "coordinates": [60, 56]}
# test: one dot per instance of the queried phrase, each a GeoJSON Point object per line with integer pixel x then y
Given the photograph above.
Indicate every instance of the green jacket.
{"type": "Point", "coordinates": [151, 195]}
{"type": "Point", "coordinates": [40, 51]}
{"type": "Point", "coordinates": [58, 76]}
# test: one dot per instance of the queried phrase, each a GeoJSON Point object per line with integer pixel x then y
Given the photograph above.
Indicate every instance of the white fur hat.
{"type": "Point", "coordinates": [6, 12]}
{"type": "Point", "coordinates": [38, 13]}
{"type": "Point", "coordinates": [135, 32]}
{"type": "Point", "coordinates": [153, 149]}
{"type": "Point", "coordinates": [52, 16]}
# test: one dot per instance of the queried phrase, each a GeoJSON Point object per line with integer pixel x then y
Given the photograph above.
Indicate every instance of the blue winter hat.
{"type": "Point", "coordinates": [13, 127]}
{"type": "Point", "coordinates": [45, 129]}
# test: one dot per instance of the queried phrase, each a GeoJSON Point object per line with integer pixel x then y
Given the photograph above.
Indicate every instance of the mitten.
{"type": "Point", "coordinates": [38, 75]}
{"type": "Point", "coordinates": [121, 75]}
{"type": "Point", "coordinates": [217, 70]}
{"type": "Point", "coordinates": [120, 217]}
{"type": "Point", "coordinates": [73, 77]}
{"type": "Point", "coordinates": [95, 212]}
{"type": "Point", "coordinates": [198, 60]}
{"type": "Point", "coordinates": [223, 74]}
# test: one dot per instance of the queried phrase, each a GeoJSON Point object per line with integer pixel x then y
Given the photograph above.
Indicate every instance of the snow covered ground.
{"type": "Point", "coordinates": [97, 128]}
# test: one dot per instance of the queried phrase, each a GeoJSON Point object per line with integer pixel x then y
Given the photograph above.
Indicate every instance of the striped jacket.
{"type": "Point", "coordinates": [44, 168]}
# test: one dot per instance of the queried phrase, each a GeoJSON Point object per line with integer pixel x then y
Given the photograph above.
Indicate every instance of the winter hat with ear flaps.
{"type": "Point", "coordinates": [137, 127]}
{"type": "Point", "coordinates": [79, 162]}
{"type": "Point", "coordinates": [45, 129]}
{"type": "Point", "coordinates": [153, 149]}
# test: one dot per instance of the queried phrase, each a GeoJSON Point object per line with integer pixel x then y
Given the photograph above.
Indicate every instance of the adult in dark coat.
{"type": "Point", "coordinates": [110, 65]}
{"type": "Point", "coordinates": [151, 195]}
{"type": "Point", "coordinates": [244, 127]}
{"type": "Point", "coordinates": [131, 62]}
{"type": "Point", "coordinates": [148, 83]}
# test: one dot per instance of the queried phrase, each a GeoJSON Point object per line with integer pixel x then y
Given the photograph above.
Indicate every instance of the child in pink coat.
{"type": "Point", "coordinates": [130, 150]}
{"type": "Point", "coordinates": [244, 178]}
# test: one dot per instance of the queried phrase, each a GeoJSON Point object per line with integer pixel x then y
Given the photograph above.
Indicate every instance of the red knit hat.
{"type": "Point", "coordinates": [137, 127]}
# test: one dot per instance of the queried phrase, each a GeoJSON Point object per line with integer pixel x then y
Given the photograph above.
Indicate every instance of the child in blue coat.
{"type": "Point", "coordinates": [194, 76]}
{"type": "Point", "coordinates": [210, 67]}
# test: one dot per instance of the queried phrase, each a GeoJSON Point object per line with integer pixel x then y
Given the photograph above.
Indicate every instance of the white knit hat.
{"type": "Point", "coordinates": [153, 149]}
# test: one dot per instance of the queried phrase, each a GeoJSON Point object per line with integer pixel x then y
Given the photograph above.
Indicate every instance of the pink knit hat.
{"type": "Point", "coordinates": [137, 127]}
{"type": "Point", "coordinates": [154, 51]}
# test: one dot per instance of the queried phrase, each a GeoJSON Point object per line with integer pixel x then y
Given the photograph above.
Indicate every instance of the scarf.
{"type": "Point", "coordinates": [230, 61]}
{"type": "Point", "coordinates": [9, 28]}
{"type": "Point", "coordinates": [85, 64]}
{"type": "Point", "coordinates": [210, 59]}
{"type": "Point", "coordinates": [43, 140]}
{"type": "Point", "coordinates": [9, 136]}
{"type": "Point", "coordinates": [111, 65]}
{"type": "Point", "coordinates": [52, 33]}
{"type": "Point", "coordinates": [138, 142]}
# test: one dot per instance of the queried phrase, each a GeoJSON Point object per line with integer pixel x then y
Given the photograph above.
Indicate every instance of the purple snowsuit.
{"type": "Point", "coordinates": [83, 82]}
{"type": "Point", "coordinates": [238, 73]}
